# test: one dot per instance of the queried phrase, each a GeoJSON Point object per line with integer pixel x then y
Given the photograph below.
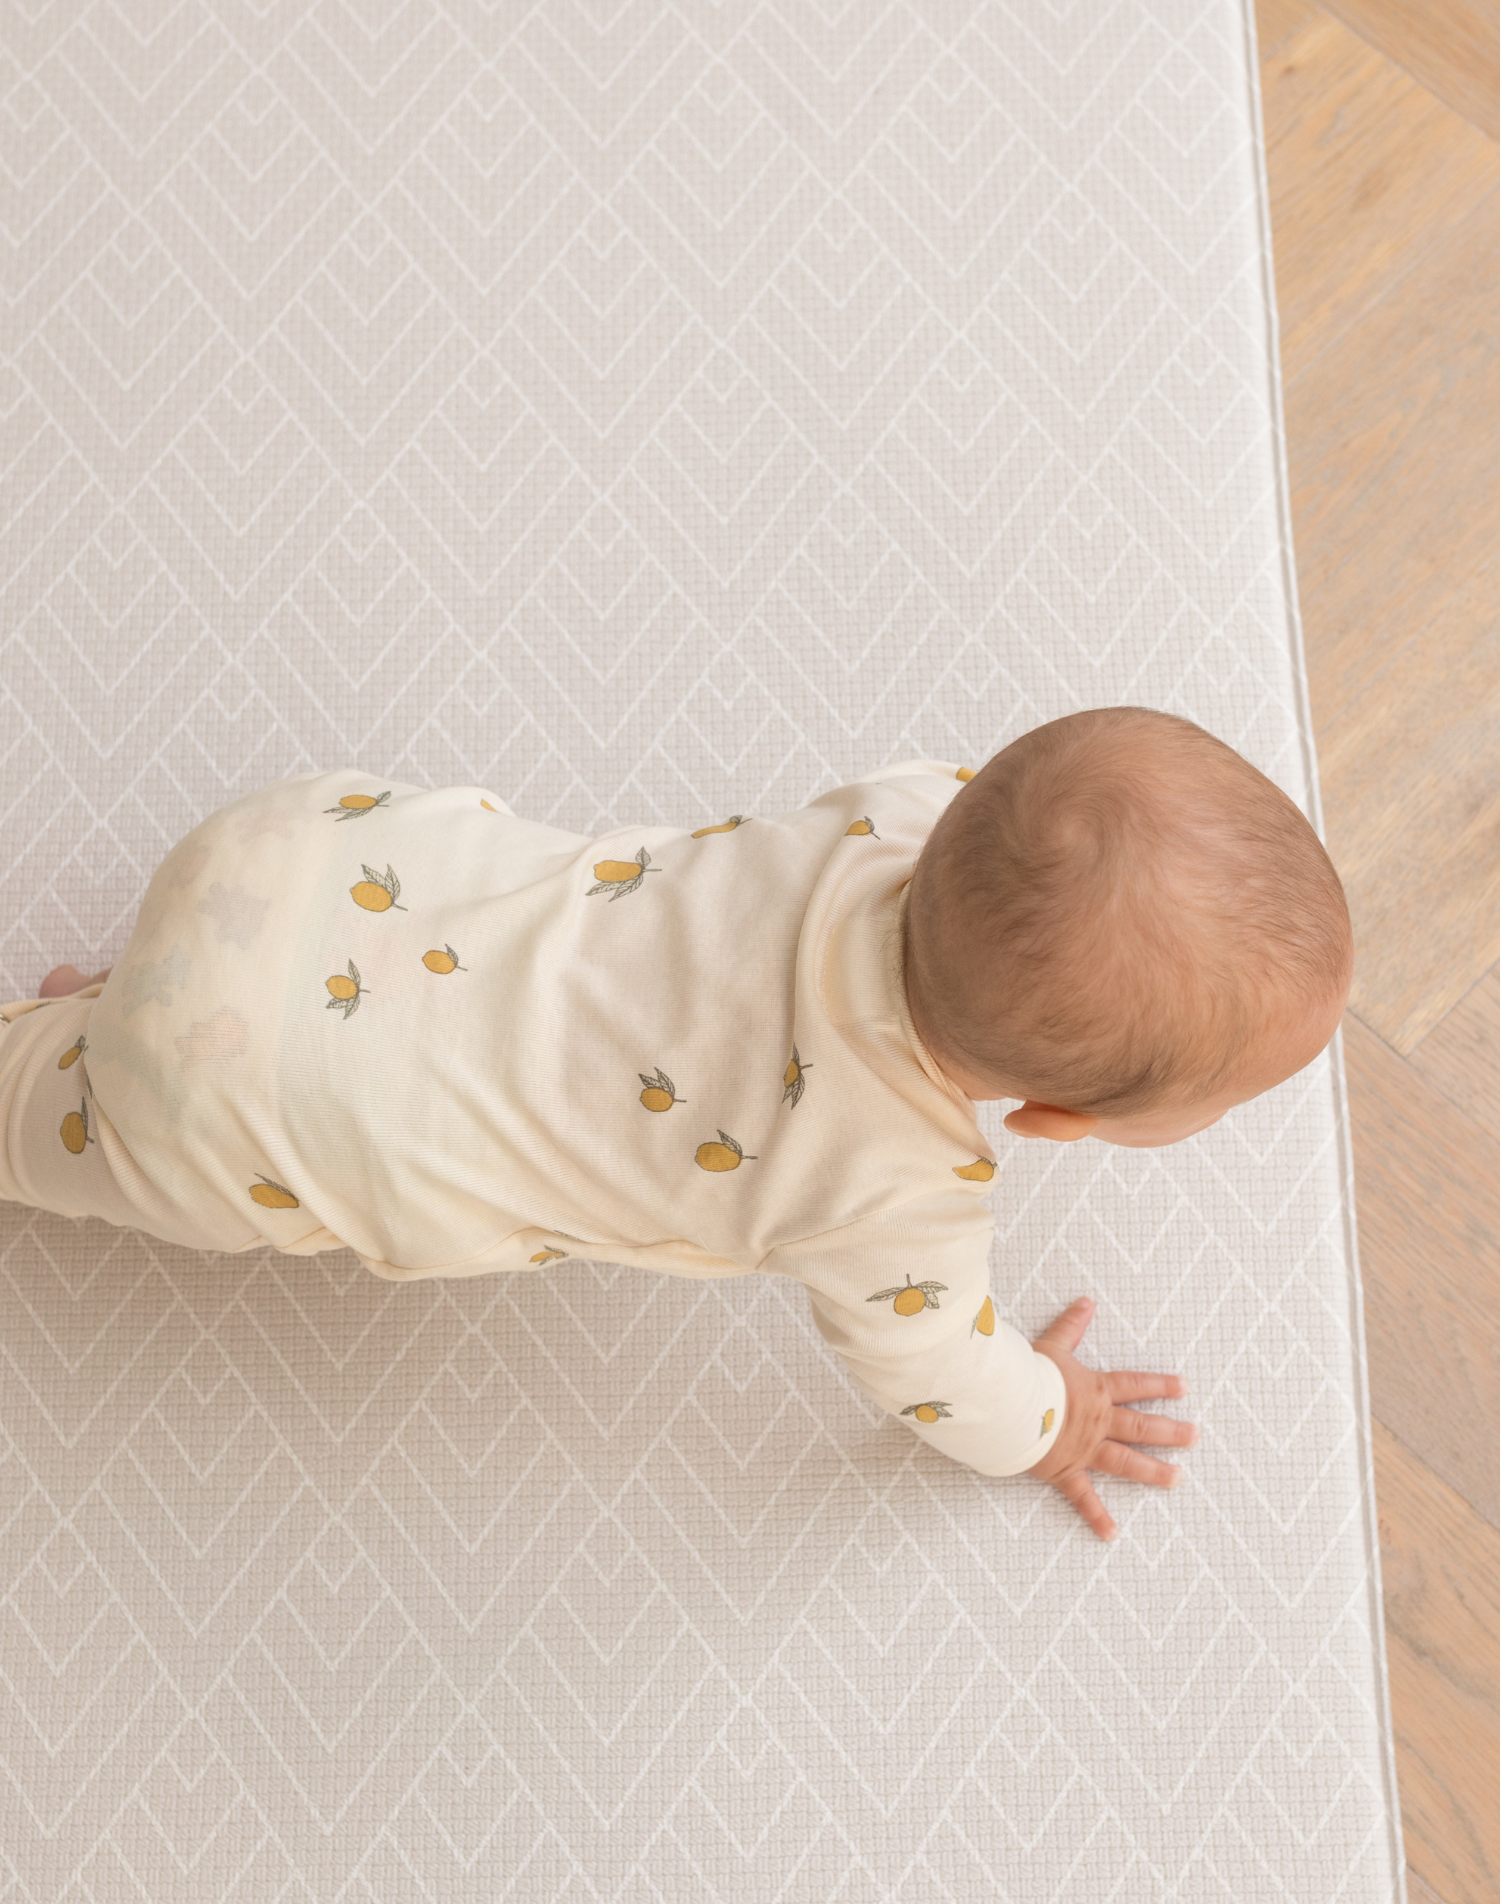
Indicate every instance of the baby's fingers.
{"type": "Point", "coordinates": [1129, 1424]}
{"type": "Point", "coordinates": [1116, 1458]}
{"type": "Point", "coordinates": [1079, 1489]}
{"type": "Point", "coordinates": [1142, 1385]}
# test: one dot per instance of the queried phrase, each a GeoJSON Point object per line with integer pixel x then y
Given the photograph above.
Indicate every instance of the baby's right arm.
{"type": "Point", "coordinates": [903, 1297]}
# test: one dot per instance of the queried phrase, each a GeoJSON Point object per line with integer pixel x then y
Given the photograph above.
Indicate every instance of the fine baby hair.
{"type": "Point", "coordinates": [1115, 909]}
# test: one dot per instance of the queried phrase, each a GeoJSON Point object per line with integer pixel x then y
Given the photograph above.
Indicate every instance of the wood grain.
{"type": "Point", "coordinates": [1366, 171]}
{"type": "Point", "coordinates": [1461, 1056]}
{"type": "Point", "coordinates": [1427, 1187]}
{"type": "Point", "coordinates": [1277, 20]}
{"type": "Point", "coordinates": [1386, 233]}
{"type": "Point", "coordinates": [1440, 1569]}
{"type": "Point", "coordinates": [1394, 459]}
{"type": "Point", "coordinates": [1451, 46]}
{"type": "Point", "coordinates": [1418, 1891]}
{"type": "Point", "coordinates": [1411, 777]}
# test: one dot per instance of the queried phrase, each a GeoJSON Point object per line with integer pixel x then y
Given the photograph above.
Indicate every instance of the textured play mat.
{"type": "Point", "coordinates": [651, 411]}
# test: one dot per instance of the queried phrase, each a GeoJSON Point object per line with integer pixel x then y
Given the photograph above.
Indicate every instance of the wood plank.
{"type": "Point", "coordinates": [1440, 1573]}
{"type": "Point", "coordinates": [1420, 1892]}
{"type": "Point", "coordinates": [1393, 464]}
{"type": "Point", "coordinates": [1451, 46]}
{"type": "Point", "coordinates": [1277, 20]}
{"type": "Point", "coordinates": [1461, 1056]}
{"type": "Point", "coordinates": [1428, 1229]}
{"type": "Point", "coordinates": [1427, 1185]}
{"type": "Point", "coordinates": [1411, 774]}
{"type": "Point", "coordinates": [1366, 170]}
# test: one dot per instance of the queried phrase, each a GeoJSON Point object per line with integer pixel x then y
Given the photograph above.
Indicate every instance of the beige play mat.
{"type": "Point", "coordinates": [654, 410]}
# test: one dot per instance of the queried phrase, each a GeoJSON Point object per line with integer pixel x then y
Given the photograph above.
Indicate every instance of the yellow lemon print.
{"type": "Point", "coordinates": [443, 962]}
{"type": "Point", "coordinates": [980, 1171]}
{"type": "Point", "coordinates": [488, 808]}
{"type": "Point", "coordinates": [549, 1256]}
{"type": "Point", "coordinates": [984, 1322]}
{"type": "Point", "coordinates": [792, 1086]}
{"type": "Point", "coordinates": [70, 1056]}
{"type": "Point", "coordinates": [724, 1155]}
{"type": "Point", "coordinates": [861, 827]}
{"type": "Point", "coordinates": [354, 806]}
{"type": "Point", "coordinates": [74, 1129]}
{"type": "Point", "coordinates": [912, 1299]}
{"type": "Point", "coordinates": [963, 773]}
{"type": "Point", "coordinates": [344, 993]}
{"type": "Point", "coordinates": [374, 893]}
{"type": "Point", "coordinates": [620, 876]}
{"type": "Point", "coordinates": [660, 1093]}
{"type": "Point", "coordinates": [726, 826]}
{"type": "Point", "coordinates": [273, 1196]}
{"type": "Point", "coordinates": [929, 1411]}
{"type": "Point", "coordinates": [1047, 1421]}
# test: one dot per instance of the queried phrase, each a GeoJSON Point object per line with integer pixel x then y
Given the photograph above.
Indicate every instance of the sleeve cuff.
{"type": "Point", "coordinates": [974, 1444]}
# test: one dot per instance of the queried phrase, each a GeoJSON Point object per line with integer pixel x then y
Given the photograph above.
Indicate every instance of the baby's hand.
{"type": "Point", "coordinates": [1096, 1431]}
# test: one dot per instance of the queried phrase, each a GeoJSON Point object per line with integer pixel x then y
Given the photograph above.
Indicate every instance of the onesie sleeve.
{"type": "Point", "coordinates": [903, 1298]}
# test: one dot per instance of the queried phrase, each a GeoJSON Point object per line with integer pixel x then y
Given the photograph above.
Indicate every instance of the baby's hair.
{"type": "Point", "coordinates": [1114, 908]}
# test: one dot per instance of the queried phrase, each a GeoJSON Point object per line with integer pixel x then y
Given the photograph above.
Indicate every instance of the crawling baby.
{"type": "Point", "coordinates": [356, 1014]}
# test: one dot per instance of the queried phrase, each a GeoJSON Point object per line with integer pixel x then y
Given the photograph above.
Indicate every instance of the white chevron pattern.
{"type": "Point", "coordinates": [653, 408]}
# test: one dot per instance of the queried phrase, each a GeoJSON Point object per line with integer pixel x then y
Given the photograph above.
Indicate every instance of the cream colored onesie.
{"type": "Point", "coordinates": [356, 1013]}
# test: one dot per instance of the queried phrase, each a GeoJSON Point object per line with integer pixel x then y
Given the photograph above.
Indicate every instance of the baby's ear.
{"type": "Point", "coordinates": [1047, 1120]}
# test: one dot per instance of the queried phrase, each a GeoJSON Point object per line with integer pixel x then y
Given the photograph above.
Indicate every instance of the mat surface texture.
{"type": "Point", "coordinates": [651, 413]}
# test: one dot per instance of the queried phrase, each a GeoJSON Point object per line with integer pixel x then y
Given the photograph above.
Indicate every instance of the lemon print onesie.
{"type": "Point", "coordinates": [355, 1013]}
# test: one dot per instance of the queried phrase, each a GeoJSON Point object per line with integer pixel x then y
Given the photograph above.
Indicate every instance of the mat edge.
{"type": "Point", "coordinates": [1339, 1081]}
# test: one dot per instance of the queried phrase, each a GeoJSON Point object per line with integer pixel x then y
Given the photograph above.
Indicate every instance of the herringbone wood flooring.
{"type": "Point", "coordinates": [1383, 135]}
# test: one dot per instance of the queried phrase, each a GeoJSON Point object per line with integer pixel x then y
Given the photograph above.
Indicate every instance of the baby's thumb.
{"type": "Point", "coordinates": [1067, 1330]}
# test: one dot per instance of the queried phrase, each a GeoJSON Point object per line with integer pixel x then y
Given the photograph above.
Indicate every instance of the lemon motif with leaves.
{"type": "Point", "coordinates": [620, 876]}
{"type": "Point", "coordinates": [660, 1093]}
{"type": "Point", "coordinates": [984, 1322]}
{"type": "Point", "coordinates": [724, 1155]}
{"type": "Point", "coordinates": [792, 1085]}
{"type": "Point", "coordinates": [74, 1129]}
{"type": "Point", "coordinates": [71, 1056]}
{"type": "Point", "coordinates": [980, 1171]}
{"type": "Point", "coordinates": [550, 1256]}
{"type": "Point", "coordinates": [354, 806]}
{"type": "Point", "coordinates": [862, 829]}
{"type": "Point", "coordinates": [911, 1298]}
{"type": "Point", "coordinates": [345, 991]}
{"type": "Point", "coordinates": [929, 1411]}
{"type": "Point", "coordinates": [724, 826]}
{"type": "Point", "coordinates": [271, 1195]}
{"type": "Point", "coordinates": [374, 893]}
{"type": "Point", "coordinates": [443, 962]}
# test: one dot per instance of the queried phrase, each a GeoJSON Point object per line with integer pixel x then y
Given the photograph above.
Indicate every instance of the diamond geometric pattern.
{"type": "Point", "coordinates": [651, 409]}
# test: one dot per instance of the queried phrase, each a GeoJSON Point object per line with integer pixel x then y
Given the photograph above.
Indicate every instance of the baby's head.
{"type": "Point", "coordinates": [1121, 922]}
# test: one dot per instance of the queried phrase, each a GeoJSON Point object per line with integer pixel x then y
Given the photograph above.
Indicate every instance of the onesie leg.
{"type": "Point", "coordinates": [58, 1150]}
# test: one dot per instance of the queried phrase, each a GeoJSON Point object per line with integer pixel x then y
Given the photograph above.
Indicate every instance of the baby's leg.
{"type": "Point", "coordinates": [58, 1150]}
{"type": "Point", "coordinates": [63, 980]}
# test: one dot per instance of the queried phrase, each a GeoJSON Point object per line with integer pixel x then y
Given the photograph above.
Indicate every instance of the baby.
{"type": "Point", "coordinates": [357, 1014]}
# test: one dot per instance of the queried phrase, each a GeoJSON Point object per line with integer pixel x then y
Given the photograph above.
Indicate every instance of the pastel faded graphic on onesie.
{"type": "Point", "coordinates": [356, 1013]}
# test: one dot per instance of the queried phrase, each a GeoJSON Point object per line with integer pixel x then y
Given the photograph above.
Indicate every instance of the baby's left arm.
{"type": "Point", "coordinates": [903, 1298]}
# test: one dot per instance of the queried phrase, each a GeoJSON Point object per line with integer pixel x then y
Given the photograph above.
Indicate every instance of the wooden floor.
{"type": "Point", "coordinates": [1383, 139]}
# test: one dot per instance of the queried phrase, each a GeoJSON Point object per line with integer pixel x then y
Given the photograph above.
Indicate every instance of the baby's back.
{"type": "Point", "coordinates": [442, 1034]}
